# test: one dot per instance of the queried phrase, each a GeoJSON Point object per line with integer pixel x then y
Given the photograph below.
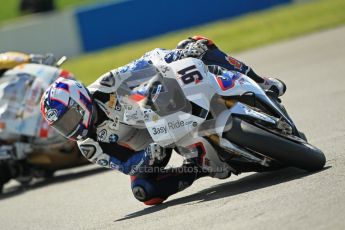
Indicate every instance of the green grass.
{"type": "Point", "coordinates": [9, 9]}
{"type": "Point", "coordinates": [230, 35]}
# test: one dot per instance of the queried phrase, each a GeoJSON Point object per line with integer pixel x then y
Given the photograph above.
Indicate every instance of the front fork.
{"type": "Point", "coordinates": [211, 159]}
{"type": "Point", "coordinates": [223, 123]}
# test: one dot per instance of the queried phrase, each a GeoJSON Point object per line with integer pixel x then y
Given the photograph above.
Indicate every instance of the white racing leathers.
{"type": "Point", "coordinates": [114, 144]}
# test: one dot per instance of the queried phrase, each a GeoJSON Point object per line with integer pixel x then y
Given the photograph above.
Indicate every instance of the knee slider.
{"type": "Point", "coordinates": [139, 193]}
{"type": "Point", "coordinates": [143, 189]}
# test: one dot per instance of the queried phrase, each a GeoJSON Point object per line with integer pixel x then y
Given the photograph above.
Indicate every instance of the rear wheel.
{"type": "Point", "coordinates": [287, 152]}
{"type": "Point", "coordinates": [5, 175]}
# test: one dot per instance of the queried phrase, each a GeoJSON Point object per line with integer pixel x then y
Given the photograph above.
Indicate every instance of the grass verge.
{"type": "Point", "coordinates": [230, 35]}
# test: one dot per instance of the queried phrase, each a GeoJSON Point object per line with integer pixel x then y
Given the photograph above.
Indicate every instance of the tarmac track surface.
{"type": "Point", "coordinates": [89, 198]}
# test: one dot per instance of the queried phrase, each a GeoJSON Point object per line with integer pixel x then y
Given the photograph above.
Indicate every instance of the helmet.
{"type": "Point", "coordinates": [68, 107]}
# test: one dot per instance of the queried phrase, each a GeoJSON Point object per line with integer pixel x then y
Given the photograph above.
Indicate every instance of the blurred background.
{"type": "Point", "coordinates": [101, 35]}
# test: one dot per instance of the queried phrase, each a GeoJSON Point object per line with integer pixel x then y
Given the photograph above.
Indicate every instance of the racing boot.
{"type": "Point", "coordinates": [275, 85]}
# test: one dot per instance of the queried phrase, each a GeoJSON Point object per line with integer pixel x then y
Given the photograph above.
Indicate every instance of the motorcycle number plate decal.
{"type": "Point", "coordinates": [227, 80]}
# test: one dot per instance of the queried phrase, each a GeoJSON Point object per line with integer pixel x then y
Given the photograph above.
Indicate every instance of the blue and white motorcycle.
{"type": "Point", "coordinates": [222, 117]}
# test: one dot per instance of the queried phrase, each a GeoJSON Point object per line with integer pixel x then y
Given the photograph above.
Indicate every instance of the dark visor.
{"type": "Point", "coordinates": [69, 123]}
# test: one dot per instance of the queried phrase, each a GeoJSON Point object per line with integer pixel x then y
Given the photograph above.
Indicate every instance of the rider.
{"type": "Point", "coordinates": [93, 117]}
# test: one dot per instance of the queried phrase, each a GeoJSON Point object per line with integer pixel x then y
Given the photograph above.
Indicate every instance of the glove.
{"type": "Point", "coordinates": [195, 49]}
{"type": "Point", "coordinates": [156, 153]}
{"type": "Point", "coordinates": [183, 44]}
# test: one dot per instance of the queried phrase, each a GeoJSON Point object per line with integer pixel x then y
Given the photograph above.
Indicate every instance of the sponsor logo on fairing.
{"type": "Point", "coordinates": [227, 80]}
{"type": "Point", "coordinates": [173, 125]}
{"type": "Point", "coordinates": [190, 74]}
{"type": "Point", "coordinates": [159, 130]}
{"type": "Point", "coordinates": [133, 116]}
{"type": "Point", "coordinates": [178, 124]}
{"type": "Point", "coordinates": [241, 81]}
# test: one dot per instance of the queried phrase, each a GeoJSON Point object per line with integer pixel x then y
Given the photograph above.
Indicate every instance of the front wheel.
{"type": "Point", "coordinates": [287, 152]}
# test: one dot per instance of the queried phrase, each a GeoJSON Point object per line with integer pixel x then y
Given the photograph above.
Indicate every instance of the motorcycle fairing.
{"type": "Point", "coordinates": [20, 92]}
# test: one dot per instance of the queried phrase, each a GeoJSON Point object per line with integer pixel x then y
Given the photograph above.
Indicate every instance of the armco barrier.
{"type": "Point", "coordinates": [119, 22]}
{"type": "Point", "coordinates": [54, 32]}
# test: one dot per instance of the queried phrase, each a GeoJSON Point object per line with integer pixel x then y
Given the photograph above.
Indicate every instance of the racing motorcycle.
{"type": "Point", "coordinates": [21, 122]}
{"type": "Point", "coordinates": [222, 117]}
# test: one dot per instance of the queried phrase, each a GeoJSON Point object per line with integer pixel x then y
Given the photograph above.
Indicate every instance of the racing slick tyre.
{"type": "Point", "coordinates": [48, 174]}
{"type": "Point", "coordinates": [287, 152]}
{"type": "Point", "coordinates": [5, 175]}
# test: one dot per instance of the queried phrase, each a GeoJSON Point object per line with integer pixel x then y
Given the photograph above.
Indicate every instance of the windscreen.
{"type": "Point", "coordinates": [149, 89]}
